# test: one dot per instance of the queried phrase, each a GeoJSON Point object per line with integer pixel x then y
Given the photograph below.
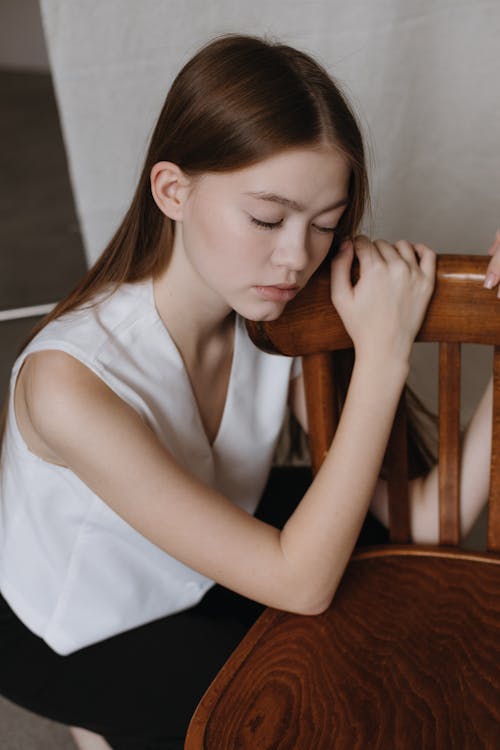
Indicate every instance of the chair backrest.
{"type": "Point", "coordinates": [460, 311]}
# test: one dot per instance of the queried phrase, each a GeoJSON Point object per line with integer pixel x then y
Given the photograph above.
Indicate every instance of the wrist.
{"type": "Point", "coordinates": [389, 366]}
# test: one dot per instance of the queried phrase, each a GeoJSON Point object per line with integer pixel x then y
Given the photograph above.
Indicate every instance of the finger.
{"type": "Point", "coordinates": [492, 273]}
{"type": "Point", "coordinates": [366, 251]}
{"type": "Point", "coordinates": [495, 245]}
{"type": "Point", "coordinates": [407, 252]}
{"type": "Point", "coordinates": [388, 252]}
{"type": "Point", "coordinates": [493, 270]}
{"type": "Point", "coordinates": [427, 259]}
{"type": "Point", "coordinates": [340, 270]}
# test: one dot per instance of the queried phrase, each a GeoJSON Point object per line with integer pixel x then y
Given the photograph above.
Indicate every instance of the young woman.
{"type": "Point", "coordinates": [142, 421]}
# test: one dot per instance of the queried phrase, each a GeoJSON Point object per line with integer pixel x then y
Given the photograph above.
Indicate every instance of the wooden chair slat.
{"type": "Point", "coordinates": [397, 478]}
{"type": "Point", "coordinates": [322, 416]}
{"type": "Point", "coordinates": [494, 499]}
{"type": "Point", "coordinates": [460, 310]}
{"type": "Point", "coordinates": [449, 443]}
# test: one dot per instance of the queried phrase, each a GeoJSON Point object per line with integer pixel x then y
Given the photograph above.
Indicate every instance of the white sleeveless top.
{"type": "Point", "coordinates": [72, 569]}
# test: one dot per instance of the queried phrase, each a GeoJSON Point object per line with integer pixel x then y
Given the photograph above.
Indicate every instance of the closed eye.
{"type": "Point", "coordinates": [266, 224]}
{"type": "Point", "coordinates": [326, 230]}
{"type": "Point", "coordinates": [275, 224]}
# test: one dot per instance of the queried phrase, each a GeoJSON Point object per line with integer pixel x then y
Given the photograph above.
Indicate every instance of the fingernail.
{"type": "Point", "coordinates": [490, 280]}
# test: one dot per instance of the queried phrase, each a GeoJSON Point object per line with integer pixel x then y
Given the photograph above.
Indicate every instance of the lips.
{"type": "Point", "coordinates": [278, 292]}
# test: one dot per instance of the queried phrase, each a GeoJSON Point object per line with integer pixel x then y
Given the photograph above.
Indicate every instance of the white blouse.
{"type": "Point", "coordinates": [71, 568]}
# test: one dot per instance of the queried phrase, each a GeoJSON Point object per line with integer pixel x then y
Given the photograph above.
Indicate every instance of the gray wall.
{"type": "Point", "coordinates": [22, 44]}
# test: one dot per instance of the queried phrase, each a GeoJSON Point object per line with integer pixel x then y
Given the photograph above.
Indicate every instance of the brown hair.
{"type": "Point", "coordinates": [239, 100]}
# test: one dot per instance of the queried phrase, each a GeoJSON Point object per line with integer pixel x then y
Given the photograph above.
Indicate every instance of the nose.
{"type": "Point", "coordinates": [291, 253]}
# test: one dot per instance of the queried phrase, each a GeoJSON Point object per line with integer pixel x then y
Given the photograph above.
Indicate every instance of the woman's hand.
{"type": "Point", "coordinates": [384, 310]}
{"type": "Point", "coordinates": [493, 270]}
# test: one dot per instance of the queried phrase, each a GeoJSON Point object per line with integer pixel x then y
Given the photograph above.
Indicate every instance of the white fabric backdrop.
{"type": "Point", "coordinates": [423, 75]}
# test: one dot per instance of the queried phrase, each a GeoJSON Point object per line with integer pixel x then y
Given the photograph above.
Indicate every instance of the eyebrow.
{"type": "Point", "coordinates": [273, 198]}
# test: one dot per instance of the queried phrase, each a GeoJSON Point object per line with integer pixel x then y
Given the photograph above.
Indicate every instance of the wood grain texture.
{"type": "Point", "coordinates": [408, 654]}
{"type": "Point", "coordinates": [396, 662]}
{"type": "Point", "coordinates": [494, 498]}
{"type": "Point", "coordinates": [319, 383]}
{"type": "Point", "coordinates": [449, 443]}
{"type": "Point", "coordinates": [460, 310]}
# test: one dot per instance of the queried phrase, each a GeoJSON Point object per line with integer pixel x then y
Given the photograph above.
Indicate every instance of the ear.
{"type": "Point", "coordinates": [170, 188]}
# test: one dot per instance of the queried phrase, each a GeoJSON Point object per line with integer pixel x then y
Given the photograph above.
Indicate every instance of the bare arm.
{"type": "Point", "coordinates": [474, 482]}
{"type": "Point", "coordinates": [111, 449]}
{"type": "Point", "coordinates": [475, 460]}
{"type": "Point", "coordinates": [424, 491]}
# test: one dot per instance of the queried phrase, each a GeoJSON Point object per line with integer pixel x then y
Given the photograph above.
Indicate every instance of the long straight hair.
{"type": "Point", "coordinates": [239, 100]}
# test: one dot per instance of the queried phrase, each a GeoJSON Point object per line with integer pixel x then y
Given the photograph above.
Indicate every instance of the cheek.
{"type": "Point", "coordinates": [212, 226]}
{"type": "Point", "coordinates": [222, 243]}
{"type": "Point", "coordinates": [319, 246]}
{"type": "Point", "coordinates": [232, 242]}
{"type": "Point", "coordinates": [202, 237]}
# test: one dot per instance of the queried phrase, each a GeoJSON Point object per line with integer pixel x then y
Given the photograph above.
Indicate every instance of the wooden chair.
{"type": "Point", "coordinates": [408, 654]}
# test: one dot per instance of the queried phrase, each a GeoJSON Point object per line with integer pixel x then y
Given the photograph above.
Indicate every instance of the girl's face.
{"type": "Point", "coordinates": [254, 236]}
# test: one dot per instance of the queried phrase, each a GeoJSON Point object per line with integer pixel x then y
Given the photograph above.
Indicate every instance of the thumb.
{"type": "Point", "coordinates": [340, 271]}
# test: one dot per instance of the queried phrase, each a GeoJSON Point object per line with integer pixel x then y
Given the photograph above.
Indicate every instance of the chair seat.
{"type": "Point", "coordinates": [396, 662]}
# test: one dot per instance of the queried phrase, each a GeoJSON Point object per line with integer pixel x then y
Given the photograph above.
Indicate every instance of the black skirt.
{"type": "Point", "coordinates": [139, 689]}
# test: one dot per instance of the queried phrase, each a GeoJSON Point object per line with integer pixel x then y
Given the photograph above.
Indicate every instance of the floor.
{"type": "Point", "coordinates": [41, 257]}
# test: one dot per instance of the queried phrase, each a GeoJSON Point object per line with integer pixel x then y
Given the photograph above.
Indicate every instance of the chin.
{"type": "Point", "coordinates": [260, 315]}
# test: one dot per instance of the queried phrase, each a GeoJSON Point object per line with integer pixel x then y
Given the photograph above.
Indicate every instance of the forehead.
{"type": "Point", "coordinates": [304, 175]}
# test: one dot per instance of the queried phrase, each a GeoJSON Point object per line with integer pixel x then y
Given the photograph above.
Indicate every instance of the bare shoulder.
{"type": "Point", "coordinates": [53, 392]}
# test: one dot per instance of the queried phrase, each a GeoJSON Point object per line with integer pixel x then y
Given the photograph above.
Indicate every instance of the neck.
{"type": "Point", "coordinates": [194, 315]}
